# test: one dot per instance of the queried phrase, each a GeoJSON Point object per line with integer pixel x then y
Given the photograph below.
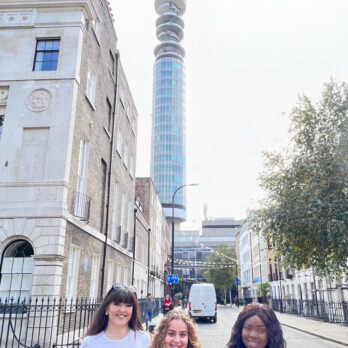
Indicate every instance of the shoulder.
{"type": "Point", "coordinates": [143, 337]}
{"type": "Point", "coordinates": [92, 340]}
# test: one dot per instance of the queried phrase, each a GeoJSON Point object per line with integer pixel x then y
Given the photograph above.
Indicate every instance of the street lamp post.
{"type": "Point", "coordinates": [180, 187]}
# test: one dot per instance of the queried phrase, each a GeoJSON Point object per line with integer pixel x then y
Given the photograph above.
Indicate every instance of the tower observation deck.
{"type": "Point", "coordinates": [168, 155]}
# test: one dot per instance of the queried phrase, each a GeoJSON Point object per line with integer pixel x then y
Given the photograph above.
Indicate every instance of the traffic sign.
{"type": "Point", "coordinates": [237, 281]}
{"type": "Point", "coordinates": [172, 278]}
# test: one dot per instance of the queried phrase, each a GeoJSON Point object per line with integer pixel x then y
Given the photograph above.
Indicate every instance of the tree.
{"type": "Point", "coordinates": [223, 271]}
{"type": "Point", "coordinates": [305, 211]}
{"type": "Point", "coordinates": [263, 290]}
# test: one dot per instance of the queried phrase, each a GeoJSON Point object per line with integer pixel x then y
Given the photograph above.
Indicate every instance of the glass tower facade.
{"type": "Point", "coordinates": [168, 158]}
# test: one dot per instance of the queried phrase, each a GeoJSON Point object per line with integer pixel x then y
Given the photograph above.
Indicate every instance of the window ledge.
{"type": "Point", "coordinates": [96, 36]}
{"type": "Point", "coordinates": [107, 132]}
{"type": "Point", "coordinates": [90, 102]}
{"type": "Point", "coordinates": [112, 76]}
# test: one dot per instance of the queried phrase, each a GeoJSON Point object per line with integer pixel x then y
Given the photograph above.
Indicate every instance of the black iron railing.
{"type": "Point", "coordinates": [81, 206]}
{"type": "Point", "coordinates": [333, 312]}
{"type": "Point", "coordinates": [41, 323]}
{"type": "Point", "coordinates": [49, 323]}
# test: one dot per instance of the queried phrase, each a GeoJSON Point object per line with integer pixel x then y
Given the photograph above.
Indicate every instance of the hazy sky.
{"type": "Point", "coordinates": [246, 63]}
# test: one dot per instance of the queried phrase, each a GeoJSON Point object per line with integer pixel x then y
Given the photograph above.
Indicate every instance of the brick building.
{"type": "Point", "coordinates": [68, 127]}
{"type": "Point", "coordinates": [159, 238]}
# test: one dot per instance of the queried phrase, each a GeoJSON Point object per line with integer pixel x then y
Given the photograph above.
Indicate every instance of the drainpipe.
{"type": "Point", "coordinates": [280, 270]}
{"type": "Point", "coordinates": [109, 177]}
{"type": "Point", "coordinates": [148, 260]}
{"type": "Point", "coordinates": [133, 246]}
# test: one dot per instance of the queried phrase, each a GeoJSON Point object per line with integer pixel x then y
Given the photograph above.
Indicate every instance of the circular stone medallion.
{"type": "Point", "coordinates": [39, 100]}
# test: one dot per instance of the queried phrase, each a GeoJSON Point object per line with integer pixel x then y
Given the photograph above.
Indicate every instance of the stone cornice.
{"type": "Point", "coordinates": [86, 5]}
{"type": "Point", "coordinates": [49, 257]}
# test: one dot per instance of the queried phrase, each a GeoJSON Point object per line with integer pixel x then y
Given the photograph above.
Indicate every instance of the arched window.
{"type": "Point", "coordinates": [17, 266]}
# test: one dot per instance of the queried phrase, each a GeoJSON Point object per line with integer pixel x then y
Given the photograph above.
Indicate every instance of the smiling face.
{"type": "Point", "coordinates": [177, 335]}
{"type": "Point", "coordinates": [254, 333]}
{"type": "Point", "coordinates": [119, 314]}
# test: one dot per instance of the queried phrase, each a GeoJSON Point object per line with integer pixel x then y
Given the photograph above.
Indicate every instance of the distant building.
{"type": "Point", "coordinates": [246, 269]}
{"type": "Point", "coordinates": [68, 128]}
{"type": "Point", "coordinates": [288, 287]}
{"type": "Point", "coordinates": [193, 248]}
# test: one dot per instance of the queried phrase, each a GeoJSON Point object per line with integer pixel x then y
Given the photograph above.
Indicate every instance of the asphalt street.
{"type": "Point", "coordinates": [217, 335]}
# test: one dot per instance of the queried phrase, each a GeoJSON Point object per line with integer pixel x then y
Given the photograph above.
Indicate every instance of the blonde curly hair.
{"type": "Point", "coordinates": [162, 328]}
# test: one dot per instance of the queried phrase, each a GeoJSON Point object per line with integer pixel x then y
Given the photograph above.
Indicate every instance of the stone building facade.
{"type": "Point", "coordinates": [68, 128]}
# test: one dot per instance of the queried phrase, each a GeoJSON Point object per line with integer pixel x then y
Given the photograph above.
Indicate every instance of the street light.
{"type": "Point", "coordinates": [180, 187]}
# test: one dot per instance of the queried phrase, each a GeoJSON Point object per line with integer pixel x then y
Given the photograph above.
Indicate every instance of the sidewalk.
{"type": "Point", "coordinates": [337, 333]}
{"type": "Point", "coordinates": [333, 332]}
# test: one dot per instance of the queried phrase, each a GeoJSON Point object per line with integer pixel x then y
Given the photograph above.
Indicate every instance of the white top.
{"type": "Point", "coordinates": [139, 340]}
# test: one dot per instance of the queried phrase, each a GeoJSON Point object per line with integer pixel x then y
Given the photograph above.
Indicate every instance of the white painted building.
{"type": "Point", "coordinates": [245, 263]}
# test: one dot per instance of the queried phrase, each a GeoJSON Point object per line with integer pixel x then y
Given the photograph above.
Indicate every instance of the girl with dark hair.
{"type": "Point", "coordinates": [176, 329]}
{"type": "Point", "coordinates": [167, 304]}
{"type": "Point", "coordinates": [257, 327]}
{"type": "Point", "coordinates": [117, 322]}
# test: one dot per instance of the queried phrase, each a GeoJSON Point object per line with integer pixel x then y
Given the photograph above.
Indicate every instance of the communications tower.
{"type": "Point", "coordinates": [168, 155]}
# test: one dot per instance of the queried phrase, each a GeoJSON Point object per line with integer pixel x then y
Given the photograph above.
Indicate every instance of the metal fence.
{"type": "Point", "coordinates": [49, 323]}
{"type": "Point", "coordinates": [333, 312]}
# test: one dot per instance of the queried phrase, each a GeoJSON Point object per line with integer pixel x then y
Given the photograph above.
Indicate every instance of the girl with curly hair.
{"type": "Point", "coordinates": [176, 328]}
{"type": "Point", "coordinates": [257, 327]}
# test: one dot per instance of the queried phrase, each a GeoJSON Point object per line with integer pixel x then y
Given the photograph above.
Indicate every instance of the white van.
{"type": "Point", "coordinates": [202, 301]}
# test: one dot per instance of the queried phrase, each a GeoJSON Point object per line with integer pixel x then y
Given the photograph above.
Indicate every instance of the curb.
{"type": "Point", "coordinates": [317, 335]}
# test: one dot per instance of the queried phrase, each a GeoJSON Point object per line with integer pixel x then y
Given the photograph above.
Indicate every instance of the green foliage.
{"type": "Point", "coordinates": [263, 290]}
{"type": "Point", "coordinates": [305, 212]}
{"type": "Point", "coordinates": [221, 277]}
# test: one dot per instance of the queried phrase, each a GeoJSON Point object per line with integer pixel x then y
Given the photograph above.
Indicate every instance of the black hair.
{"type": "Point", "coordinates": [100, 319]}
{"type": "Point", "coordinates": [266, 314]}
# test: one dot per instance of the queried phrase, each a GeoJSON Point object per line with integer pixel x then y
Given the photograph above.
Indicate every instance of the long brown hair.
{"type": "Point", "coordinates": [100, 319]}
{"type": "Point", "coordinates": [162, 328]}
{"type": "Point", "coordinates": [266, 314]}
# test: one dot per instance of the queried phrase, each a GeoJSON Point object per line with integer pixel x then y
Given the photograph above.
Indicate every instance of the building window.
{"type": "Point", "coordinates": [82, 168]}
{"type": "Point", "coordinates": [109, 279]}
{"type": "Point", "coordinates": [112, 64]}
{"type": "Point", "coordinates": [90, 86]}
{"type": "Point", "coordinates": [118, 273]}
{"type": "Point", "coordinates": [72, 275]}
{"type": "Point", "coordinates": [114, 213]}
{"type": "Point", "coordinates": [2, 119]}
{"type": "Point", "coordinates": [125, 275]}
{"type": "Point", "coordinates": [122, 97]}
{"type": "Point", "coordinates": [109, 115]}
{"type": "Point", "coordinates": [17, 266]}
{"type": "Point", "coordinates": [102, 194]}
{"type": "Point", "coordinates": [119, 142]}
{"type": "Point", "coordinates": [125, 155]}
{"type": "Point", "coordinates": [131, 166]}
{"type": "Point", "coordinates": [93, 290]}
{"type": "Point", "coordinates": [46, 55]}
{"type": "Point", "coordinates": [123, 208]}
{"type": "Point", "coordinates": [96, 28]}
{"type": "Point", "coordinates": [80, 207]}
